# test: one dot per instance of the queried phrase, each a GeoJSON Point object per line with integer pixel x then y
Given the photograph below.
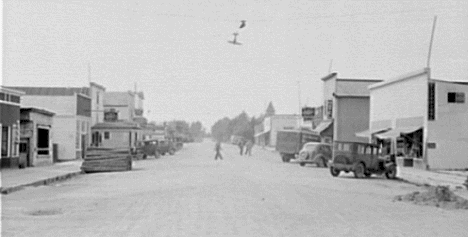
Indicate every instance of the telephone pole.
{"type": "Point", "coordinates": [430, 44]}
{"type": "Point", "coordinates": [299, 95]}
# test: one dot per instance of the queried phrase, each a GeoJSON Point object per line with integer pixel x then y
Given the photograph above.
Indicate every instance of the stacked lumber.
{"type": "Point", "coordinates": [107, 160]}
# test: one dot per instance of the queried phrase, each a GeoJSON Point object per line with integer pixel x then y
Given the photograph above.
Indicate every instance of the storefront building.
{"type": "Point", "coordinates": [421, 120]}
{"type": "Point", "coordinates": [345, 108]}
{"type": "Point", "coordinates": [10, 101]}
{"type": "Point", "coordinates": [36, 143]}
{"type": "Point", "coordinates": [265, 135]}
{"type": "Point", "coordinates": [72, 108]}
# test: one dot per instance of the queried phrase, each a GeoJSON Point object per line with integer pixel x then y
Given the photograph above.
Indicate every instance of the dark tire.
{"type": "Point", "coordinates": [359, 170]}
{"type": "Point", "coordinates": [368, 174]}
{"type": "Point", "coordinates": [391, 173]}
{"type": "Point", "coordinates": [302, 164]}
{"type": "Point", "coordinates": [144, 157]}
{"type": "Point", "coordinates": [334, 172]}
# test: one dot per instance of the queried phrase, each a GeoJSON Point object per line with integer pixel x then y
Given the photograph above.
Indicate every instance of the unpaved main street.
{"type": "Point", "coordinates": [190, 194]}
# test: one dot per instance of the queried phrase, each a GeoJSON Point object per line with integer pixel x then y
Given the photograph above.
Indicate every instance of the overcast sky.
{"type": "Point", "coordinates": [177, 52]}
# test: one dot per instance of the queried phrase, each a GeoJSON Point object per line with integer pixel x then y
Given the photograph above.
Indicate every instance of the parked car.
{"type": "Point", "coordinates": [290, 142]}
{"type": "Point", "coordinates": [315, 153]}
{"type": "Point", "coordinates": [363, 159]}
{"type": "Point", "coordinates": [166, 146]}
{"type": "Point", "coordinates": [150, 148]}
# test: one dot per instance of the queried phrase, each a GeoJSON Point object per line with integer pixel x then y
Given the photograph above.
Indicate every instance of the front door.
{"type": "Point", "coordinates": [83, 146]}
{"type": "Point", "coordinates": [24, 152]}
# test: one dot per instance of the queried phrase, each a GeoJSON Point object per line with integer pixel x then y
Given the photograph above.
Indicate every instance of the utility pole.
{"type": "Point", "coordinates": [330, 66]}
{"type": "Point", "coordinates": [299, 95]}
{"type": "Point", "coordinates": [89, 72]}
{"type": "Point", "coordinates": [430, 44]}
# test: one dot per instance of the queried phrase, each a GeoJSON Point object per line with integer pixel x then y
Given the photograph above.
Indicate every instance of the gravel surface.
{"type": "Point", "coordinates": [191, 194]}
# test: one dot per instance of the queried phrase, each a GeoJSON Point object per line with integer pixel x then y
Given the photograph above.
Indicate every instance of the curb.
{"type": "Point", "coordinates": [47, 181]}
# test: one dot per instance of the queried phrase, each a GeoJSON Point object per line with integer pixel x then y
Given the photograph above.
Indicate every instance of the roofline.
{"type": "Point", "coordinates": [97, 85]}
{"type": "Point", "coordinates": [400, 78]}
{"type": "Point", "coordinates": [359, 79]}
{"type": "Point", "coordinates": [16, 92]}
{"type": "Point", "coordinates": [329, 76]}
{"type": "Point", "coordinates": [465, 83]}
{"type": "Point", "coordinates": [350, 96]}
{"type": "Point", "coordinates": [37, 110]}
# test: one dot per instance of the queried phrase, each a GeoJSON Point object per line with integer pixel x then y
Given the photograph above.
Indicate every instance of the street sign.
{"type": "Point", "coordinates": [308, 113]}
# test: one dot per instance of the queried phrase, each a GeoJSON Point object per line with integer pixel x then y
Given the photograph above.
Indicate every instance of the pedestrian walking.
{"type": "Point", "coordinates": [248, 148]}
{"type": "Point", "coordinates": [218, 151]}
{"type": "Point", "coordinates": [241, 146]}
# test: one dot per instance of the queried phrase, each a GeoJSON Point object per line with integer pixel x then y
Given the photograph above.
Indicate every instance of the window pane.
{"type": "Point", "coordinates": [460, 97]}
{"type": "Point", "coordinates": [42, 138]}
{"type": "Point", "coordinates": [451, 97]}
{"type": "Point", "coordinates": [4, 141]}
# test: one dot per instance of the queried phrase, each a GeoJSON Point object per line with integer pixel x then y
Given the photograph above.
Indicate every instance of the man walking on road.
{"type": "Point", "coordinates": [248, 147]}
{"type": "Point", "coordinates": [241, 146]}
{"type": "Point", "coordinates": [218, 151]}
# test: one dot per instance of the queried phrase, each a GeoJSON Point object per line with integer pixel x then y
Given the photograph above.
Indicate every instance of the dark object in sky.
{"type": "Point", "coordinates": [242, 24]}
{"type": "Point", "coordinates": [234, 41]}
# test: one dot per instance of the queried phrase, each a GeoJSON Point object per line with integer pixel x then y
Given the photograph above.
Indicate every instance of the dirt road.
{"type": "Point", "coordinates": [191, 194]}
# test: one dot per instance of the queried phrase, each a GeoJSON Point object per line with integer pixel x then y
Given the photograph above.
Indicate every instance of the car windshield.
{"type": "Point", "coordinates": [310, 147]}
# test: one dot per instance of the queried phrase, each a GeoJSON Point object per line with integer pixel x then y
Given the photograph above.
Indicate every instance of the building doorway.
{"type": "Point", "coordinates": [24, 149]}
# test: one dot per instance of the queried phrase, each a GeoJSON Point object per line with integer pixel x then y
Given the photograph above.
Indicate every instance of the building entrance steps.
{"type": "Point", "coordinates": [15, 179]}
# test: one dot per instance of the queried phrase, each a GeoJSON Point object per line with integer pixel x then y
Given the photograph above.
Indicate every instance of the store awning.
{"type": "Point", "coordinates": [397, 132]}
{"type": "Point", "coordinates": [322, 126]}
{"type": "Point", "coordinates": [368, 133]}
{"type": "Point", "coordinates": [261, 133]}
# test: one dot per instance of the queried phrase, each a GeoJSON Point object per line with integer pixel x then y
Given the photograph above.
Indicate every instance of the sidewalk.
{"type": "Point", "coordinates": [453, 179]}
{"type": "Point", "coordinates": [15, 179]}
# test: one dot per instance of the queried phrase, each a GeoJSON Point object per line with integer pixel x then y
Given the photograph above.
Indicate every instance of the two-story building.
{"type": "Point", "coordinates": [345, 108]}
{"type": "Point", "coordinates": [10, 103]}
{"type": "Point", "coordinates": [422, 119]}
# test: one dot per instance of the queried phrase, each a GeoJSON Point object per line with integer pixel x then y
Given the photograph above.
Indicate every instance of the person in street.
{"type": "Point", "coordinates": [248, 148]}
{"type": "Point", "coordinates": [241, 146]}
{"type": "Point", "coordinates": [218, 151]}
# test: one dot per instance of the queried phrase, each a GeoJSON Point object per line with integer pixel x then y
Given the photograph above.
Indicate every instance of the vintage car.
{"type": "Point", "coordinates": [363, 159]}
{"type": "Point", "coordinates": [166, 146]}
{"type": "Point", "coordinates": [150, 148]}
{"type": "Point", "coordinates": [315, 153]}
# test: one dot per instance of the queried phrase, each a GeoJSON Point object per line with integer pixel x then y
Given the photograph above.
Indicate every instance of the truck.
{"type": "Point", "coordinates": [289, 142]}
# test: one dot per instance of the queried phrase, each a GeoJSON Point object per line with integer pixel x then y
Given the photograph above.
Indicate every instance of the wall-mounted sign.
{"type": "Point", "coordinates": [308, 113]}
{"type": "Point", "coordinates": [111, 115]}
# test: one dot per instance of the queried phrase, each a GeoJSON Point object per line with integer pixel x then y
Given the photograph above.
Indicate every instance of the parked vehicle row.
{"type": "Point", "coordinates": [363, 159]}
{"type": "Point", "coordinates": [157, 147]}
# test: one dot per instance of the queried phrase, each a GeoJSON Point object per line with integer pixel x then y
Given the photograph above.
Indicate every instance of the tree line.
{"type": "Point", "coordinates": [241, 125]}
{"type": "Point", "coordinates": [186, 131]}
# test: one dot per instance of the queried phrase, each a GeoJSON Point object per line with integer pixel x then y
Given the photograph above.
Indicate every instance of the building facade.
{"type": "Point", "coordinates": [121, 102]}
{"type": "Point", "coordinates": [72, 120]}
{"type": "Point", "coordinates": [345, 108]}
{"type": "Point", "coordinates": [425, 125]}
{"type": "Point", "coordinates": [36, 143]}
{"type": "Point", "coordinates": [266, 133]}
{"type": "Point", "coordinates": [10, 101]}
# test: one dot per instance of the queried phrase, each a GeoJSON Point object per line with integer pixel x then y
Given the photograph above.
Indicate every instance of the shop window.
{"type": "Point", "coordinates": [5, 134]}
{"type": "Point", "coordinates": [42, 141]}
{"type": "Point", "coordinates": [106, 135]}
{"type": "Point", "coordinates": [15, 99]}
{"type": "Point", "coordinates": [456, 97]}
{"type": "Point", "coordinates": [2, 96]}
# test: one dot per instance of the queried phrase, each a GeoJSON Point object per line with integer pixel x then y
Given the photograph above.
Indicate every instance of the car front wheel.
{"type": "Point", "coordinates": [391, 173]}
{"type": "Point", "coordinates": [359, 170]}
{"type": "Point", "coordinates": [302, 164]}
{"type": "Point", "coordinates": [334, 172]}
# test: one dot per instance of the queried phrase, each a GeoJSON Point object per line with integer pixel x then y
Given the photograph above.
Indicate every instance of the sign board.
{"type": "Point", "coordinates": [308, 113]}
{"type": "Point", "coordinates": [110, 116]}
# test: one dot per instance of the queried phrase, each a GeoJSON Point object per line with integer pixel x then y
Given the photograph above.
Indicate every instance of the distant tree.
{"type": "Point", "coordinates": [270, 110]}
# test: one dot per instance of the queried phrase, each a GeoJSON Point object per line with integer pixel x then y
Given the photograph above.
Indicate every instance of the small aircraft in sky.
{"type": "Point", "coordinates": [234, 41]}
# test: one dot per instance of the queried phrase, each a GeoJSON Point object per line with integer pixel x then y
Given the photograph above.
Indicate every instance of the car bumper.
{"type": "Point", "coordinates": [344, 167]}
